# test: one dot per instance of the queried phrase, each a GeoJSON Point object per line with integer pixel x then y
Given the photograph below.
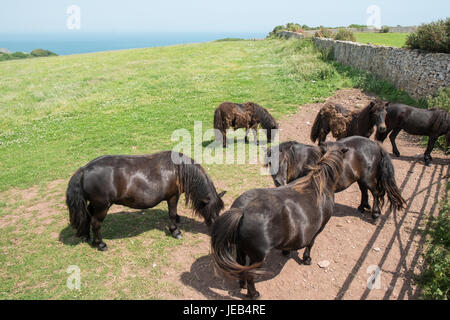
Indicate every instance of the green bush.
{"type": "Point", "coordinates": [323, 33]}
{"type": "Point", "coordinates": [294, 27]}
{"type": "Point", "coordinates": [434, 37]}
{"type": "Point", "coordinates": [385, 29]}
{"type": "Point", "coordinates": [18, 55]}
{"type": "Point", "coordinates": [441, 100]}
{"type": "Point", "coordinates": [435, 278]}
{"type": "Point", "coordinates": [357, 26]}
{"type": "Point", "coordinates": [42, 53]}
{"type": "Point", "coordinates": [345, 35]}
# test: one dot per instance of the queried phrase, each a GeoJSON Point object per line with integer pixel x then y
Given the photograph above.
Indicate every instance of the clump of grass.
{"type": "Point", "coordinates": [345, 35]}
{"type": "Point", "coordinates": [435, 278]}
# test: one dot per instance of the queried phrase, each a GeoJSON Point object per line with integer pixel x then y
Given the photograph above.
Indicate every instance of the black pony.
{"type": "Point", "coordinates": [366, 162]}
{"type": "Point", "coordinates": [247, 115]}
{"type": "Point", "coordinates": [138, 182]}
{"type": "Point", "coordinates": [432, 123]}
{"type": "Point", "coordinates": [285, 218]}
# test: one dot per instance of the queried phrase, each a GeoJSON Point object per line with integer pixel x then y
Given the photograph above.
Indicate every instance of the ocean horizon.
{"type": "Point", "coordinates": [73, 42]}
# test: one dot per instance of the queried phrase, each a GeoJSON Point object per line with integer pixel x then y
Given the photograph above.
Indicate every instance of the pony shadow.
{"type": "Point", "coordinates": [341, 211]}
{"type": "Point", "coordinates": [127, 224]}
{"type": "Point", "coordinates": [420, 159]}
{"type": "Point", "coordinates": [204, 279]}
{"type": "Point", "coordinates": [214, 144]}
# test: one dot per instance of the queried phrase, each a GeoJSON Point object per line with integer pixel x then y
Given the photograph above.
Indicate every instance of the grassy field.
{"type": "Point", "coordinates": [385, 39]}
{"type": "Point", "coordinates": [58, 113]}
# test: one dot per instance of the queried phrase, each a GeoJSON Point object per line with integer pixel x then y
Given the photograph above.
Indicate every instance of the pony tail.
{"type": "Point", "coordinates": [223, 246]}
{"type": "Point", "coordinates": [218, 122]}
{"type": "Point", "coordinates": [386, 183]}
{"type": "Point", "coordinates": [317, 126]}
{"type": "Point", "coordinates": [77, 204]}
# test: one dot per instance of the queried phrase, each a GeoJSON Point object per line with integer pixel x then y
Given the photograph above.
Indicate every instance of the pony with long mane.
{"type": "Point", "coordinates": [138, 182]}
{"type": "Point", "coordinates": [344, 123]}
{"type": "Point", "coordinates": [248, 115]}
{"type": "Point", "coordinates": [366, 163]}
{"type": "Point", "coordinates": [431, 122]}
{"type": "Point", "coordinates": [285, 218]}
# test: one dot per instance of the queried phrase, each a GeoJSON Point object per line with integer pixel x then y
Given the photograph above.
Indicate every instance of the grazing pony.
{"type": "Point", "coordinates": [432, 123]}
{"type": "Point", "coordinates": [247, 115]}
{"type": "Point", "coordinates": [344, 123]}
{"type": "Point", "coordinates": [366, 162]}
{"type": "Point", "coordinates": [285, 218]}
{"type": "Point", "coordinates": [138, 182]}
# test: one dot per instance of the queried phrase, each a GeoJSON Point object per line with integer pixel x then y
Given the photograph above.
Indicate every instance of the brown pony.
{"type": "Point", "coordinates": [247, 115]}
{"type": "Point", "coordinates": [344, 123]}
{"type": "Point", "coordinates": [285, 218]}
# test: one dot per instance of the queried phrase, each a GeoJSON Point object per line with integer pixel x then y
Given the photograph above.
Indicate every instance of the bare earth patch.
{"type": "Point", "coordinates": [354, 247]}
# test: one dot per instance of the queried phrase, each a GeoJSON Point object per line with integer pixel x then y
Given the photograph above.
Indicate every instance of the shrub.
{"type": "Point", "coordinates": [435, 278]}
{"type": "Point", "coordinates": [42, 53]}
{"type": "Point", "coordinates": [323, 33]}
{"type": "Point", "coordinates": [434, 37]}
{"type": "Point", "coordinates": [18, 55]}
{"type": "Point", "coordinates": [384, 29]}
{"type": "Point", "coordinates": [357, 26]}
{"type": "Point", "coordinates": [345, 35]}
{"type": "Point", "coordinates": [294, 27]}
{"type": "Point", "coordinates": [441, 100]}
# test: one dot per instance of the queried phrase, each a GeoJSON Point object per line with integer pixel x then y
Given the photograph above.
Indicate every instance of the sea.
{"type": "Point", "coordinates": [73, 42]}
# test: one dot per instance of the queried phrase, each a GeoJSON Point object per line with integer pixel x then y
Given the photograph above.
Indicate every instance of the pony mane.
{"type": "Point", "coordinates": [323, 176]}
{"type": "Point", "coordinates": [196, 185]}
{"type": "Point", "coordinates": [265, 118]}
{"type": "Point", "coordinates": [291, 158]}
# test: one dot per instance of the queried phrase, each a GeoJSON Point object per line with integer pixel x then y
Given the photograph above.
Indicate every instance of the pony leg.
{"type": "Point", "coordinates": [392, 137]}
{"type": "Point", "coordinates": [174, 217]}
{"type": "Point", "coordinates": [307, 253]}
{"type": "Point", "coordinates": [99, 214]}
{"type": "Point", "coordinates": [376, 212]}
{"type": "Point", "coordinates": [427, 155]}
{"type": "Point", "coordinates": [364, 198]}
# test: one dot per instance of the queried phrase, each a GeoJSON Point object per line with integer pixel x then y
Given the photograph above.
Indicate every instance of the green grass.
{"type": "Point", "coordinates": [435, 278]}
{"type": "Point", "coordinates": [58, 113]}
{"type": "Point", "coordinates": [386, 39]}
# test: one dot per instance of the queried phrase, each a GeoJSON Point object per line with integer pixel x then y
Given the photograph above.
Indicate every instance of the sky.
{"type": "Point", "coordinates": [209, 15]}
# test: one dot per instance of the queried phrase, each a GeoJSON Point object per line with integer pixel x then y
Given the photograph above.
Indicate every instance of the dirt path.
{"type": "Point", "coordinates": [354, 246]}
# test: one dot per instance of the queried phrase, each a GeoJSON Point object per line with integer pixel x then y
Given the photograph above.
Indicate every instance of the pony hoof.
{"type": "Point", "coordinates": [361, 209]}
{"type": "Point", "coordinates": [255, 296]}
{"type": "Point", "coordinates": [178, 219]}
{"type": "Point", "coordinates": [397, 154]}
{"type": "Point", "coordinates": [375, 217]}
{"type": "Point", "coordinates": [243, 284]}
{"type": "Point", "coordinates": [178, 236]}
{"type": "Point", "coordinates": [102, 247]}
{"type": "Point", "coordinates": [307, 261]}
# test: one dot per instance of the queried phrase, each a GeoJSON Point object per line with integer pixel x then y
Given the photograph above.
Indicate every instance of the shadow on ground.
{"type": "Point", "coordinates": [128, 224]}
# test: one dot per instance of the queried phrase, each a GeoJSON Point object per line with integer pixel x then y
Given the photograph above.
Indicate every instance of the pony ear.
{"type": "Point", "coordinates": [371, 104]}
{"type": "Point", "coordinates": [222, 194]}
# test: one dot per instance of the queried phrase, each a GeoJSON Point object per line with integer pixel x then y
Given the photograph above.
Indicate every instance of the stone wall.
{"type": "Point", "coordinates": [311, 33]}
{"type": "Point", "coordinates": [416, 72]}
{"type": "Point", "coordinates": [290, 35]}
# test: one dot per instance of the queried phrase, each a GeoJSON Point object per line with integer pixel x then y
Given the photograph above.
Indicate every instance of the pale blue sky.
{"type": "Point", "coordinates": [209, 15]}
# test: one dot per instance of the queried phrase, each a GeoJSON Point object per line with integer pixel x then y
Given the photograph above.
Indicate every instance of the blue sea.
{"type": "Point", "coordinates": [72, 42]}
